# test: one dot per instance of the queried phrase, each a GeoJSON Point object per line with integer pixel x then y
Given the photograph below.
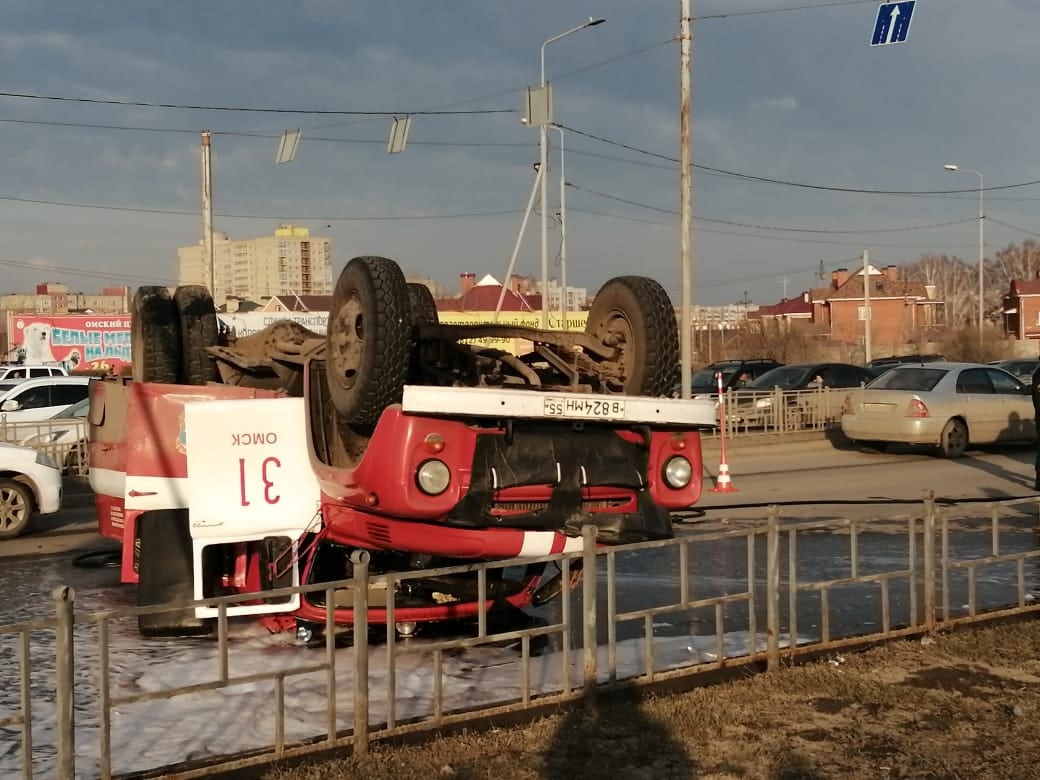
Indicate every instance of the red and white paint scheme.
{"type": "Point", "coordinates": [137, 452]}
{"type": "Point", "coordinates": [243, 463]}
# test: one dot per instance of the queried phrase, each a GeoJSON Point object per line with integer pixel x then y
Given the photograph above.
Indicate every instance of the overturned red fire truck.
{"type": "Point", "coordinates": [239, 465]}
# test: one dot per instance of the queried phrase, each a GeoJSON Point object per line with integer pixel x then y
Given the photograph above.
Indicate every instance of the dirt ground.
{"type": "Point", "coordinates": [964, 705]}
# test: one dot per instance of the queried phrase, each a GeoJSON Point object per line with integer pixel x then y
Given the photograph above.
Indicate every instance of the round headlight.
{"type": "Point", "coordinates": [678, 472]}
{"type": "Point", "coordinates": [433, 477]}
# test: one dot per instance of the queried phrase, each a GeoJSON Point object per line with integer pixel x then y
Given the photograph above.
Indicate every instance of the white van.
{"type": "Point", "coordinates": [31, 400]}
{"type": "Point", "coordinates": [19, 371]}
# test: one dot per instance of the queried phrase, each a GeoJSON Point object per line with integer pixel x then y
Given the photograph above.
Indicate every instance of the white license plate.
{"type": "Point", "coordinates": [585, 408]}
{"type": "Point", "coordinates": [875, 407]}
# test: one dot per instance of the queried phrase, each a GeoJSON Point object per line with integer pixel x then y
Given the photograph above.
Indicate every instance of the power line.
{"type": "Point", "coordinates": [175, 212]}
{"type": "Point", "coordinates": [86, 272]}
{"type": "Point", "coordinates": [825, 188]}
{"type": "Point", "coordinates": [736, 234]}
{"type": "Point", "coordinates": [251, 109]}
{"type": "Point", "coordinates": [774, 227]}
{"type": "Point", "coordinates": [1013, 227]}
{"type": "Point", "coordinates": [514, 90]}
{"type": "Point", "coordinates": [759, 11]}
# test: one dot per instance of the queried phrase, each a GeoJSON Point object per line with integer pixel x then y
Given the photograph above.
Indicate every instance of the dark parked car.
{"type": "Point", "coordinates": [878, 366]}
{"type": "Point", "coordinates": [753, 404]}
{"type": "Point", "coordinates": [1023, 368]}
{"type": "Point", "coordinates": [735, 373]}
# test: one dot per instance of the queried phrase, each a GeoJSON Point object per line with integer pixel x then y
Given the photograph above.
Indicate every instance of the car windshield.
{"type": "Point", "coordinates": [918, 380]}
{"type": "Point", "coordinates": [78, 409]}
{"type": "Point", "coordinates": [784, 377]}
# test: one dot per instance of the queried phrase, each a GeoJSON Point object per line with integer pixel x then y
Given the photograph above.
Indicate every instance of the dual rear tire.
{"type": "Point", "coordinates": [169, 335]}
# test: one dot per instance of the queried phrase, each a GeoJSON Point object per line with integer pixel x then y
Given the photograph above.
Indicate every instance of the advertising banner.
{"type": "Point", "coordinates": [80, 342]}
{"type": "Point", "coordinates": [253, 321]}
{"type": "Point", "coordinates": [575, 321]}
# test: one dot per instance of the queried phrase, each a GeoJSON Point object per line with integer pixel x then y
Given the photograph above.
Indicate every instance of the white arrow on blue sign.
{"type": "Point", "coordinates": [893, 23]}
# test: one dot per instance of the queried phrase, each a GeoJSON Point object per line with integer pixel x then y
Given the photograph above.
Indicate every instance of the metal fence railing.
{"type": "Point", "coordinates": [63, 439]}
{"type": "Point", "coordinates": [782, 411]}
{"type": "Point", "coordinates": [768, 593]}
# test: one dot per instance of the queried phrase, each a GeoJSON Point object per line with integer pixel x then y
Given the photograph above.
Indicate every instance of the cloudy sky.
{"type": "Point", "coordinates": [788, 91]}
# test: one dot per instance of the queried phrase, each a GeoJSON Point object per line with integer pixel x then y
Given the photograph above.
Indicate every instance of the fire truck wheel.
{"type": "Point", "coordinates": [635, 313]}
{"type": "Point", "coordinates": [422, 305]}
{"type": "Point", "coordinates": [155, 343]}
{"type": "Point", "coordinates": [16, 508]}
{"type": "Point", "coordinates": [165, 574]}
{"type": "Point", "coordinates": [198, 330]}
{"type": "Point", "coordinates": [369, 340]}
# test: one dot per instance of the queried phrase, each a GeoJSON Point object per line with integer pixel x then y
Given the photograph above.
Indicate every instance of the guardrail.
{"type": "Point", "coordinates": [782, 411]}
{"type": "Point", "coordinates": [767, 594]}
{"type": "Point", "coordinates": [64, 439]}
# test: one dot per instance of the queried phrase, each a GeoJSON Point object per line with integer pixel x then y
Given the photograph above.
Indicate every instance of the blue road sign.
{"type": "Point", "coordinates": [893, 23]}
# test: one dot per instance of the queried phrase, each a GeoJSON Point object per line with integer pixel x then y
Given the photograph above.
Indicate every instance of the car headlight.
{"type": "Point", "coordinates": [677, 472]}
{"type": "Point", "coordinates": [433, 477]}
{"type": "Point", "coordinates": [43, 459]}
{"type": "Point", "coordinates": [764, 403]}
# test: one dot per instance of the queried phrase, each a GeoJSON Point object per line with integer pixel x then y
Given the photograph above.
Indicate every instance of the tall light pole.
{"type": "Point", "coordinates": [685, 200]}
{"type": "Point", "coordinates": [542, 144]}
{"type": "Point", "coordinates": [982, 219]}
{"type": "Point", "coordinates": [563, 235]}
{"type": "Point", "coordinates": [208, 262]}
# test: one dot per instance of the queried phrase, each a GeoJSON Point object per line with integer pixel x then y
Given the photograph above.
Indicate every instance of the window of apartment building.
{"type": "Point", "coordinates": [862, 313]}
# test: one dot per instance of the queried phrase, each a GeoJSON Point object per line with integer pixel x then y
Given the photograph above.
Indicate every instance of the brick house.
{"type": "Point", "coordinates": [1022, 309]}
{"type": "Point", "coordinates": [899, 308]}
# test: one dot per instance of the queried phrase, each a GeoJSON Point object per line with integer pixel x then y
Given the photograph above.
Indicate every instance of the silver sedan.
{"type": "Point", "coordinates": [946, 405]}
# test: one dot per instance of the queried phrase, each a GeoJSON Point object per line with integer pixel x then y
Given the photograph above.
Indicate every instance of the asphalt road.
{"type": "Point", "coordinates": [822, 471]}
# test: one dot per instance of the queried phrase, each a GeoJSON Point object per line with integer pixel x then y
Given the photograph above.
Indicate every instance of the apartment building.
{"type": "Point", "coordinates": [289, 262]}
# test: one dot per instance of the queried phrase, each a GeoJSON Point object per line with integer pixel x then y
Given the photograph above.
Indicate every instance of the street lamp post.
{"type": "Point", "coordinates": [982, 219]}
{"type": "Point", "coordinates": [543, 152]}
{"type": "Point", "coordinates": [563, 236]}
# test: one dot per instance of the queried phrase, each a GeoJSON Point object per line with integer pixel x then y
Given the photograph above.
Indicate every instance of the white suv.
{"type": "Point", "coordinates": [29, 484]}
{"type": "Point", "coordinates": [32, 400]}
{"type": "Point", "coordinates": [19, 371]}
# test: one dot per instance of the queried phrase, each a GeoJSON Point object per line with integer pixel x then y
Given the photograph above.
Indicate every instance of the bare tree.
{"type": "Point", "coordinates": [954, 284]}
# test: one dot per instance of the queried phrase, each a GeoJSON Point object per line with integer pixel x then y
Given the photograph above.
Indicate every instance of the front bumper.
{"type": "Point", "coordinates": [571, 463]}
{"type": "Point", "coordinates": [48, 486]}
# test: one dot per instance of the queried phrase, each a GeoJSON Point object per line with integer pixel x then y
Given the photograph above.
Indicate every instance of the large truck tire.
{"type": "Point", "coordinates": [369, 339]}
{"type": "Point", "coordinates": [637, 310]}
{"type": "Point", "coordinates": [155, 342]}
{"type": "Point", "coordinates": [165, 575]}
{"type": "Point", "coordinates": [422, 305]}
{"type": "Point", "coordinates": [197, 316]}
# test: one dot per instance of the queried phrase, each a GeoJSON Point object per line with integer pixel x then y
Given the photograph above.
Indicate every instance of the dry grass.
{"type": "Point", "coordinates": [963, 706]}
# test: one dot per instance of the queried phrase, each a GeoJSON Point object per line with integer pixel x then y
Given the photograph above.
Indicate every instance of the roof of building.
{"type": "Point", "coordinates": [1022, 287]}
{"type": "Point", "coordinates": [292, 302]}
{"type": "Point", "coordinates": [788, 307]}
{"type": "Point", "coordinates": [484, 297]}
{"type": "Point", "coordinates": [881, 287]}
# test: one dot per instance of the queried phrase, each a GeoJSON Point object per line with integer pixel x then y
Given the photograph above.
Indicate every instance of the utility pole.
{"type": "Point", "coordinates": [685, 199]}
{"type": "Point", "coordinates": [784, 281]}
{"type": "Point", "coordinates": [866, 307]}
{"type": "Point", "coordinates": [208, 265]}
